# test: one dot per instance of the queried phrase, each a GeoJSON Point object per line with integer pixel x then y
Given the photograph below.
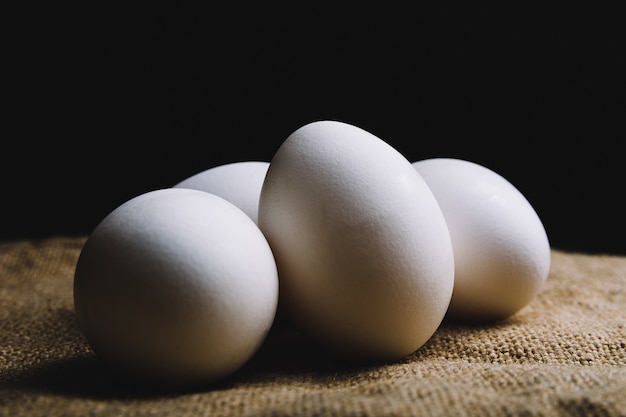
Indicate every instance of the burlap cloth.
{"type": "Point", "coordinates": [563, 355]}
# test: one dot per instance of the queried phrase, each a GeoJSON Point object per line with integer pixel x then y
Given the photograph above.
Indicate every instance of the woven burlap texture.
{"type": "Point", "coordinates": [562, 355]}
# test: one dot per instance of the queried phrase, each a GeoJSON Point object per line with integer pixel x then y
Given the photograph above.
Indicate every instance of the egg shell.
{"type": "Point", "coordinates": [176, 285]}
{"type": "Point", "coordinates": [363, 252]}
{"type": "Point", "coordinates": [501, 249]}
{"type": "Point", "coordinates": [238, 182]}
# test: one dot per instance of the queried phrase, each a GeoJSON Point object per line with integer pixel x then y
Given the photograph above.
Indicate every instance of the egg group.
{"type": "Point", "coordinates": [365, 252]}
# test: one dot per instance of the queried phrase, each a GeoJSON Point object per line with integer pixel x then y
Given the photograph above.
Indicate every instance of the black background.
{"type": "Point", "coordinates": [107, 102]}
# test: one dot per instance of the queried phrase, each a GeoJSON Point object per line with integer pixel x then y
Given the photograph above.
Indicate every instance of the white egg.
{"type": "Point", "coordinates": [501, 250]}
{"type": "Point", "coordinates": [238, 182]}
{"type": "Point", "coordinates": [363, 252]}
{"type": "Point", "coordinates": [177, 285]}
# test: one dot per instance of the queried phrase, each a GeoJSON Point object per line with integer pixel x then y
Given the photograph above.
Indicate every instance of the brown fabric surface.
{"type": "Point", "coordinates": [563, 355]}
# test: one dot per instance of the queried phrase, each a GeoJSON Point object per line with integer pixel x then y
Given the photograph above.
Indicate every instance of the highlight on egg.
{"type": "Point", "coordinates": [363, 252]}
{"type": "Point", "coordinates": [501, 249]}
{"type": "Point", "coordinates": [177, 286]}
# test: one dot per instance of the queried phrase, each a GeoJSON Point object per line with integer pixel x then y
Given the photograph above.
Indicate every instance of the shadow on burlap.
{"type": "Point", "coordinates": [563, 355]}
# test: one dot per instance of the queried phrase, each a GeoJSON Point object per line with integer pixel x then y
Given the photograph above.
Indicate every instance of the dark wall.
{"type": "Point", "coordinates": [114, 102]}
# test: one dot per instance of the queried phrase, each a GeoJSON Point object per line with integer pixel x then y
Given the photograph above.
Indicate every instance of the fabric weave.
{"type": "Point", "coordinates": [562, 355]}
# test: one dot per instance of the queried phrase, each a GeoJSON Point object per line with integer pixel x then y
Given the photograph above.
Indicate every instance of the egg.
{"type": "Point", "coordinates": [176, 285]}
{"type": "Point", "coordinates": [238, 182]}
{"type": "Point", "coordinates": [364, 257]}
{"type": "Point", "coordinates": [501, 249]}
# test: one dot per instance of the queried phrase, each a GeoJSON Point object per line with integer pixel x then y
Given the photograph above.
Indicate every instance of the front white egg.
{"type": "Point", "coordinates": [238, 182]}
{"type": "Point", "coordinates": [363, 252]}
{"type": "Point", "coordinates": [177, 285]}
{"type": "Point", "coordinates": [501, 250]}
